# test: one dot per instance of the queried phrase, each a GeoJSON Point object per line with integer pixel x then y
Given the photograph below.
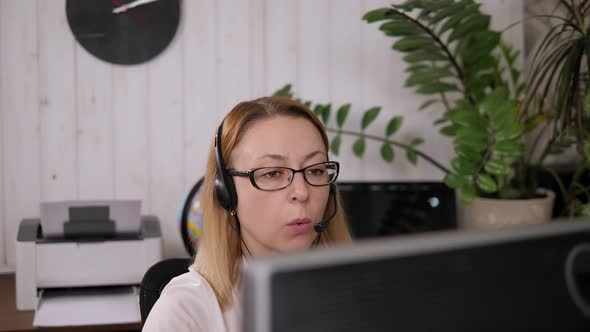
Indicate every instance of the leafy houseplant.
{"type": "Point", "coordinates": [455, 58]}
{"type": "Point", "coordinates": [558, 97]}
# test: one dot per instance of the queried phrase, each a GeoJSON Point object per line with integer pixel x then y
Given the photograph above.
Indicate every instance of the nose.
{"type": "Point", "coordinates": [299, 188]}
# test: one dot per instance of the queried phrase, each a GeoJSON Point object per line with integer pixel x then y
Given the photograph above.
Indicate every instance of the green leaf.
{"type": "Point", "coordinates": [412, 43]}
{"type": "Point", "coordinates": [468, 153]}
{"type": "Point", "coordinates": [326, 113]}
{"type": "Point", "coordinates": [437, 87]}
{"type": "Point", "coordinates": [440, 121]}
{"type": "Point", "coordinates": [486, 183]}
{"type": "Point", "coordinates": [387, 152]}
{"type": "Point", "coordinates": [342, 114]}
{"type": "Point", "coordinates": [469, 119]}
{"type": "Point", "coordinates": [450, 130]}
{"type": "Point", "coordinates": [478, 146]}
{"type": "Point", "coordinates": [507, 116]}
{"type": "Point", "coordinates": [463, 166]}
{"type": "Point", "coordinates": [484, 62]}
{"type": "Point", "coordinates": [412, 156]}
{"type": "Point", "coordinates": [494, 102]}
{"type": "Point", "coordinates": [378, 15]}
{"type": "Point", "coordinates": [423, 56]}
{"type": "Point", "coordinates": [471, 24]}
{"type": "Point", "coordinates": [285, 91]}
{"type": "Point", "coordinates": [497, 167]}
{"type": "Point", "coordinates": [318, 110]}
{"type": "Point", "coordinates": [410, 5]}
{"type": "Point", "coordinates": [428, 103]}
{"type": "Point", "coordinates": [400, 29]}
{"type": "Point", "coordinates": [416, 141]}
{"type": "Point", "coordinates": [369, 116]}
{"type": "Point", "coordinates": [359, 147]}
{"type": "Point", "coordinates": [467, 193]}
{"type": "Point", "coordinates": [508, 149]}
{"type": "Point", "coordinates": [479, 44]}
{"type": "Point", "coordinates": [458, 16]}
{"type": "Point", "coordinates": [447, 11]}
{"type": "Point", "coordinates": [472, 133]}
{"type": "Point", "coordinates": [394, 124]}
{"type": "Point", "coordinates": [323, 112]}
{"type": "Point", "coordinates": [453, 180]}
{"type": "Point", "coordinates": [417, 67]}
{"type": "Point", "coordinates": [308, 104]}
{"type": "Point", "coordinates": [335, 146]}
{"type": "Point", "coordinates": [510, 132]}
{"type": "Point", "coordinates": [427, 76]}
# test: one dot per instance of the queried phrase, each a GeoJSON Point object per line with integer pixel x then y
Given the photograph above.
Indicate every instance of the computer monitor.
{"type": "Point", "coordinates": [529, 278]}
{"type": "Point", "coordinates": [385, 208]}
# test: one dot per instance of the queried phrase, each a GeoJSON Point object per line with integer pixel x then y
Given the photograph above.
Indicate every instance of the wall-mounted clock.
{"type": "Point", "coordinates": [122, 31]}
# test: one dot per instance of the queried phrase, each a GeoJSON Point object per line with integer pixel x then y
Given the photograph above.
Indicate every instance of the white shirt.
{"type": "Point", "coordinates": [188, 303]}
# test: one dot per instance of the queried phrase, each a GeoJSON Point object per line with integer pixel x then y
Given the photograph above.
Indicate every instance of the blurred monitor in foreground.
{"type": "Point", "coordinates": [532, 278]}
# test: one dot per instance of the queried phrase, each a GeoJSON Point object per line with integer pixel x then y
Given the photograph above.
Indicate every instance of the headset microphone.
{"type": "Point", "coordinates": [323, 225]}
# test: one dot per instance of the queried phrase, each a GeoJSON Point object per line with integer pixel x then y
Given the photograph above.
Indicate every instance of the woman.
{"type": "Point", "coordinates": [269, 187]}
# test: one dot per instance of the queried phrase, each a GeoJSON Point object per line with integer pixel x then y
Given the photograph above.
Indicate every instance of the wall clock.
{"type": "Point", "coordinates": [123, 32]}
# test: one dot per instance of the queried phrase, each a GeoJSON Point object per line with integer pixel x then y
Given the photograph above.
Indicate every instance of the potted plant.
{"type": "Point", "coordinates": [453, 56]}
{"type": "Point", "coordinates": [558, 98]}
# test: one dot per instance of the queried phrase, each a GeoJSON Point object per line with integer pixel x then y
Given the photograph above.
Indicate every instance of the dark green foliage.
{"type": "Point", "coordinates": [450, 49]}
{"type": "Point", "coordinates": [323, 111]}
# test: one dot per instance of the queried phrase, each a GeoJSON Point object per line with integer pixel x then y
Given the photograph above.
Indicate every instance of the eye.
{"type": "Point", "coordinates": [273, 173]}
{"type": "Point", "coordinates": [316, 171]}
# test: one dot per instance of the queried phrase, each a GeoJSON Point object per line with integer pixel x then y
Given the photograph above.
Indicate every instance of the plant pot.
{"type": "Point", "coordinates": [490, 213]}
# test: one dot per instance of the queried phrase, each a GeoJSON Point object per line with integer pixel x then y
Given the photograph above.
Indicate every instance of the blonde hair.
{"type": "Point", "coordinates": [219, 254]}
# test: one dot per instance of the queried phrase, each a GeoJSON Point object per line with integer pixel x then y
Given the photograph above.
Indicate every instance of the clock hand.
{"type": "Point", "coordinates": [130, 5]}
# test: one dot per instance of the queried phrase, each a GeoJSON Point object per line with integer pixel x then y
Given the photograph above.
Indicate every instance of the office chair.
{"type": "Point", "coordinates": [156, 278]}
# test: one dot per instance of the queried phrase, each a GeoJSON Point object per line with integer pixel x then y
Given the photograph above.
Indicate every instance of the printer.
{"type": "Point", "coordinates": [77, 244]}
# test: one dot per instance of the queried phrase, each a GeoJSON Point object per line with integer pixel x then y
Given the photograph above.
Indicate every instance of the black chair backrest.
{"type": "Point", "coordinates": [156, 278]}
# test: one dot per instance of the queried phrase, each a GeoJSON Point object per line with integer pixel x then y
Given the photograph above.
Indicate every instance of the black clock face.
{"type": "Point", "coordinates": [129, 37]}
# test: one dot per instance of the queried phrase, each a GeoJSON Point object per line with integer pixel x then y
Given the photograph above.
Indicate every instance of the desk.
{"type": "Point", "coordinates": [14, 320]}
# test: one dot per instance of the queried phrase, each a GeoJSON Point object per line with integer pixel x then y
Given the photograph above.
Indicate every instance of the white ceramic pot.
{"type": "Point", "coordinates": [490, 213]}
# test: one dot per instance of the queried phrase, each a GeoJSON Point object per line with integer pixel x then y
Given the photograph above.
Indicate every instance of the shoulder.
{"type": "Point", "coordinates": [187, 303]}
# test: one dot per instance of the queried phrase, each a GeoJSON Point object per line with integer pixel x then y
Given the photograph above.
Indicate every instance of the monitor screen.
{"type": "Point", "coordinates": [376, 209]}
{"type": "Point", "coordinates": [530, 278]}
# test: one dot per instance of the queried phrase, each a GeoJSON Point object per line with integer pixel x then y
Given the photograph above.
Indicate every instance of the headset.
{"type": "Point", "coordinates": [225, 188]}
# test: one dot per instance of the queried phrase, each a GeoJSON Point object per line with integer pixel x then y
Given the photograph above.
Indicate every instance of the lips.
{"type": "Point", "coordinates": [299, 225]}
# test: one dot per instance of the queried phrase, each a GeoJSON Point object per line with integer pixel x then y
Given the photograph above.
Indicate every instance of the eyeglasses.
{"type": "Point", "coordinates": [277, 178]}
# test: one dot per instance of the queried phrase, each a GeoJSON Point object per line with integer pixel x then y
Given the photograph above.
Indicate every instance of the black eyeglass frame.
{"type": "Point", "coordinates": [250, 174]}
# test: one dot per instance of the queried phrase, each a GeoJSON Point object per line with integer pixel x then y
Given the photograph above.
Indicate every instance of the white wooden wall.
{"type": "Point", "coordinates": [74, 127]}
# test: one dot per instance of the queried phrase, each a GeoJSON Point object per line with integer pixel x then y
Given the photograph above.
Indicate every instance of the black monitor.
{"type": "Point", "coordinates": [384, 208]}
{"type": "Point", "coordinates": [530, 278]}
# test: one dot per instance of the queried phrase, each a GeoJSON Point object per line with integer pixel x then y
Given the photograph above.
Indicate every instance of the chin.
{"type": "Point", "coordinates": [297, 245]}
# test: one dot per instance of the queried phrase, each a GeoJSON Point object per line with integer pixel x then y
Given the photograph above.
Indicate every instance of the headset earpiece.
{"type": "Point", "coordinates": [224, 185]}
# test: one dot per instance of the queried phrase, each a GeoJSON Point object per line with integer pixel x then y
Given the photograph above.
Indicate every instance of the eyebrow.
{"type": "Point", "coordinates": [282, 158]}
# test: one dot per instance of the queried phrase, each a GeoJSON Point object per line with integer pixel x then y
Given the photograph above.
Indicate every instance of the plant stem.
{"type": "Point", "coordinates": [392, 142]}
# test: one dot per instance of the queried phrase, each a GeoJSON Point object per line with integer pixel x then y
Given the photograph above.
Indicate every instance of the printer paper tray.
{"type": "Point", "coordinates": [74, 264]}
{"type": "Point", "coordinates": [88, 306]}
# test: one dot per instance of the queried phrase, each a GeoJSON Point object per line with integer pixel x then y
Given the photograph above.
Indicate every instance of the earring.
{"type": "Point", "coordinates": [233, 212]}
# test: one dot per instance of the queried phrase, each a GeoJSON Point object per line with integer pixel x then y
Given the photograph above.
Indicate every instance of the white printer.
{"type": "Point", "coordinates": [80, 244]}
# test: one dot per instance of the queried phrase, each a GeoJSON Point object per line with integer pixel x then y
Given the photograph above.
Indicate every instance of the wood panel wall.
{"type": "Point", "coordinates": [74, 127]}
